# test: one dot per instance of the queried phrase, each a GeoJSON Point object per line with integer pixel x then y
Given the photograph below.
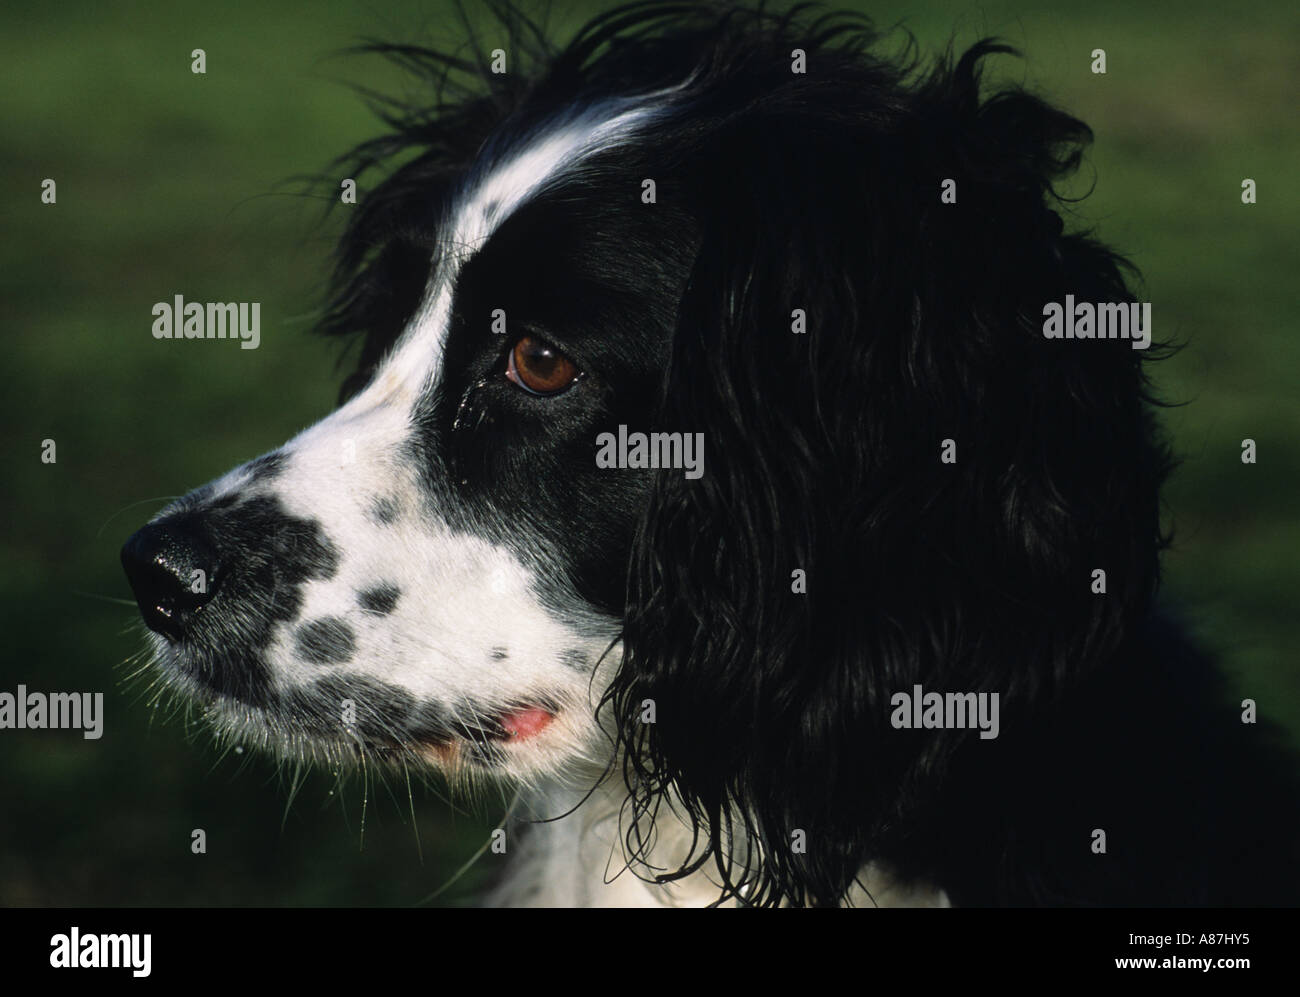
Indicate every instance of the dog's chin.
{"type": "Point", "coordinates": [522, 740]}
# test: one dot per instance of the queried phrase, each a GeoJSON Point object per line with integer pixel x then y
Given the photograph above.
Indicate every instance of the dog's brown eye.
{"type": "Point", "coordinates": [539, 368]}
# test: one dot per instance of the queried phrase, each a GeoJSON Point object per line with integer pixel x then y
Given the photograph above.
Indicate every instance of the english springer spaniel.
{"type": "Point", "coordinates": [712, 474]}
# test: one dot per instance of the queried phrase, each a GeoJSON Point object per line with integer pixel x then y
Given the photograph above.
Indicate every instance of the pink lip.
{"type": "Point", "coordinates": [526, 722]}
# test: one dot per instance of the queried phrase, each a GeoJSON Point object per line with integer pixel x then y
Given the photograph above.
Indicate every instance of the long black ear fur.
{"type": "Point", "coordinates": [823, 457]}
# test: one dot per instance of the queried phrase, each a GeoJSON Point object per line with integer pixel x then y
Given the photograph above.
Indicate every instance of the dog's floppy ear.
{"type": "Point", "coordinates": [904, 482]}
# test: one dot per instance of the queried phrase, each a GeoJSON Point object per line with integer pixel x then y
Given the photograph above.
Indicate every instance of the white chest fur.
{"type": "Point", "coordinates": [578, 861]}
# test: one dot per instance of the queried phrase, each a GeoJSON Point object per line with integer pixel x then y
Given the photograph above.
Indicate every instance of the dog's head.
{"type": "Point", "coordinates": [828, 269]}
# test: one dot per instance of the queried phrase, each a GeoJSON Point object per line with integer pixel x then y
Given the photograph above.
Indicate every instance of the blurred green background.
{"type": "Point", "coordinates": [174, 183]}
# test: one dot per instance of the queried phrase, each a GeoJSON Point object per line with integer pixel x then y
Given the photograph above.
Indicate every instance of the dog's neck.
{"type": "Point", "coordinates": [566, 851]}
{"type": "Point", "coordinates": [578, 860]}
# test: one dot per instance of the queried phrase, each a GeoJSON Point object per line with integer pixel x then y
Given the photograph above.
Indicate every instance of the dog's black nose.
{"type": "Point", "coordinates": [172, 569]}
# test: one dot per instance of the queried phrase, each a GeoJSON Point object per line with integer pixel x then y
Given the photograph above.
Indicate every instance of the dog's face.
{"type": "Point", "coordinates": [438, 566]}
{"type": "Point", "coordinates": [834, 272]}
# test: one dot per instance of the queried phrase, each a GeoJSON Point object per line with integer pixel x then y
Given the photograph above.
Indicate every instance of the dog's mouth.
{"type": "Point", "coordinates": [387, 725]}
{"type": "Point", "coordinates": [525, 722]}
{"type": "Point", "coordinates": [485, 735]}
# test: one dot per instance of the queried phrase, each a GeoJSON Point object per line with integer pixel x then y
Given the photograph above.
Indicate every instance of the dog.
{"type": "Point", "coordinates": [711, 475]}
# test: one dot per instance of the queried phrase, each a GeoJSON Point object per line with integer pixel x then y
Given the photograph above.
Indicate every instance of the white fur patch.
{"type": "Point", "coordinates": [579, 861]}
{"type": "Point", "coordinates": [488, 198]}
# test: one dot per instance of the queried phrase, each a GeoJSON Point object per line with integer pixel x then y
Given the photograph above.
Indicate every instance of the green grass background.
{"type": "Point", "coordinates": [174, 183]}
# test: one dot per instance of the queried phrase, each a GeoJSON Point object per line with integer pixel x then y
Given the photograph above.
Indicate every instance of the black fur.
{"type": "Point", "coordinates": [779, 191]}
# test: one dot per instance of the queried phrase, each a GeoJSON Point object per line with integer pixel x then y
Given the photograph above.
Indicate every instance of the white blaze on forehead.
{"type": "Point", "coordinates": [492, 190]}
{"type": "Point", "coordinates": [500, 190]}
{"type": "Point", "coordinates": [490, 193]}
